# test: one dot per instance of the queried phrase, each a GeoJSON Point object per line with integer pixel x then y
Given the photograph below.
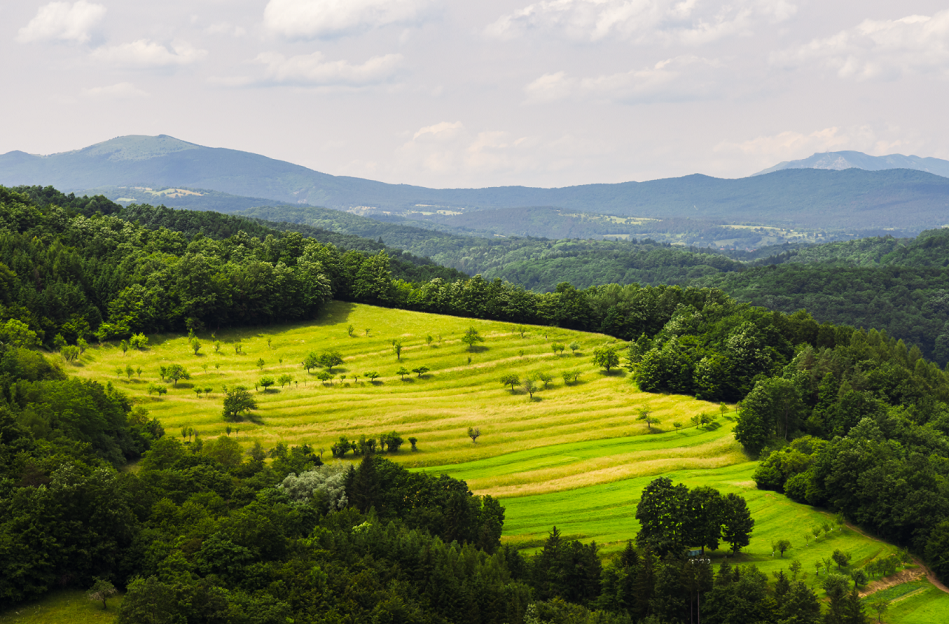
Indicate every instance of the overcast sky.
{"type": "Point", "coordinates": [484, 92]}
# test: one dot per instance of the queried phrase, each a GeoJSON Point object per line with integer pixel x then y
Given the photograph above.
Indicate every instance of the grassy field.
{"type": "Point", "coordinates": [437, 408]}
{"type": "Point", "coordinates": [574, 456]}
{"type": "Point", "coordinates": [63, 607]}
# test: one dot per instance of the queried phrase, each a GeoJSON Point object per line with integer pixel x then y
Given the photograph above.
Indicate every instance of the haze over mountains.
{"type": "Point", "coordinates": [904, 200]}
{"type": "Point", "coordinates": [838, 161]}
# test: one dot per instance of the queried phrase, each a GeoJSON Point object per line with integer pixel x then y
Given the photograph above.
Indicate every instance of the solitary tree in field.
{"type": "Point", "coordinates": [402, 372]}
{"type": "Point", "coordinates": [284, 380]}
{"type": "Point", "coordinates": [545, 378]}
{"type": "Point", "coordinates": [260, 363]}
{"type": "Point", "coordinates": [397, 347]}
{"type": "Point", "coordinates": [606, 357]}
{"type": "Point", "coordinates": [330, 359]}
{"type": "Point", "coordinates": [351, 331]}
{"type": "Point", "coordinates": [174, 372]}
{"type": "Point", "coordinates": [372, 375]}
{"type": "Point", "coordinates": [428, 340]}
{"type": "Point", "coordinates": [841, 558]}
{"type": "Point", "coordinates": [471, 338]}
{"type": "Point", "coordinates": [324, 376]}
{"type": "Point", "coordinates": [311, 361]}
{"type": "Point", "coordinates": [782, 545]}
{"type": "Point", "coordinates": [413, 442]}
{"type": "Point", "coordinates": [677, 425]}
{"type": "Point", "coordinates": [238, 402]}
{"type": "Point", "coordinates": [510, 380]}
{"type": "Point", "coordinates": [574, 346]}
{"type": "Point", "coordinates": [473, 433]}
{"type": "Point", "coordinates": [124, 346]}
{"type": "Point", "coordinates": [421, 370]}
{"type": "Point", "coordinates": [101, 590]}
{"type": "Point", "coordinates": [556, 346]}
{"type": "Point", "coordinates": [880, 605]}
{"type": "Point", "coordinates": [530, 387]}
{"type": "Point", "coordinates": [522, 330]}
{"type": "Point", "coordinates": [266, 382]}
{"type": "Point", "coordinates": [195, 345]}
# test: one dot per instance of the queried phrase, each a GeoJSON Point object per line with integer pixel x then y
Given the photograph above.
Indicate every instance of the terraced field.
{"type": "Point", "coordinates": [437, 408]}
{"type": "Point", "coordinates": [574, 456]}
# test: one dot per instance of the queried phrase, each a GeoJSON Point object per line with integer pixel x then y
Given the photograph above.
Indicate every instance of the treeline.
{"type": "Point", "coordinates": [897, 285]}
{"type": "Point", "coordinates": [537, 264]}
{"type": "Point", "coordinates": [66, 274]}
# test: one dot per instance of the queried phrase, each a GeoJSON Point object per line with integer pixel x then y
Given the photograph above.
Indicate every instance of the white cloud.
{"type": "Point", "coordinates": [690, 22]}
{"type": "Point", "coordinates": [672, 80]}
{"type": "Point", "coordinates": [308, 19]}
{"type": "Point", "coordinates": [450, 149]}
{"type": "Point", "coordinates": [440, 131]}
{"type": "Point", "coordinates": [767, 150]}
{"type": "Point", "coordinates": [149, 54]}
{"type": "Point", "coordinates": [790, 145]}
{"type": "Point", "coordinates": [119, 91]}
{"type": "Point", "coordinates": [314, 70]}
{"type": "Point", "coordinates": [879, 49]}
{"type": "Point", "coordinates": [62, 21]}
{"type": "Point", "coordinates": [225, 28]}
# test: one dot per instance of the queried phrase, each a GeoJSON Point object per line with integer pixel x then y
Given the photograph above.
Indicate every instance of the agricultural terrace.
{"type": "Point", "coordinates": [436, 407]}
{"type": "Point", "coordinates": [577, 454]}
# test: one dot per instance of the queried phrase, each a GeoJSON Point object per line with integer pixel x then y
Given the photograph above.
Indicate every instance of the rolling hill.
{"type": "Point", "coordinates": [895, 198]}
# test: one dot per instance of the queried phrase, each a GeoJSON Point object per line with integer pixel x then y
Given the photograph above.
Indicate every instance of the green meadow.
{"type": "Point", "coordinates": [63, 607]}
{"type": "Point", "coordinates": [574, 455]}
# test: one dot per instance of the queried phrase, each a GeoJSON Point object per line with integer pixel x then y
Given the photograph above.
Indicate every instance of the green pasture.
{"type": "Point", "coordinates": [437, 408]}
{"type": "Point", "coordinates": [575, 456]}
{"type": "Point", "coordinates": [63, 607]}
{"type": "Point", "coordinates": [917, 602]}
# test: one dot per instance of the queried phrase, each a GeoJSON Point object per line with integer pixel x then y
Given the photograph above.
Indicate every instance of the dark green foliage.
{"type": "Point", "coordinates": [673, 518]}
{"type": "Point", "coordinates": [238, 403]}
{"type": "Point", "coordinates": [937, 550]}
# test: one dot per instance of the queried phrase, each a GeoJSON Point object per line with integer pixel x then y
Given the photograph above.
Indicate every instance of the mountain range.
{"type": "Point", "coordinates": [838, 161]}
{"type": "Point", "coordinates": [178, 173]}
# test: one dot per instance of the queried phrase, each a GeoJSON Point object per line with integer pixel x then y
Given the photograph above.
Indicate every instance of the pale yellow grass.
{"type": "Point", "coordinates": [591, 471]}
{"type": "Point", "coordinates": [437, 409]}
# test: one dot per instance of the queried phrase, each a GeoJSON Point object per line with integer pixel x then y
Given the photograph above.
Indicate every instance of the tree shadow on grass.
{"type": "Point", "coordinates": [615, 372]}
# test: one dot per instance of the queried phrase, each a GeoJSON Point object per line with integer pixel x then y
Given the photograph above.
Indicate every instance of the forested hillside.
{"type": "Point", "coordinates": [536, 264]}
{"type": "Point", "coordinates": [205, 527]}
{"type": "Point", "coordinates": [897, 285]}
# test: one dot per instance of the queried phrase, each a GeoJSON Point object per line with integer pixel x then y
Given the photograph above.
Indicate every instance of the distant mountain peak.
{"type": "Point", "coordinates": [849, 159]}
{"type": "Point", "coordinates": [137, 147]}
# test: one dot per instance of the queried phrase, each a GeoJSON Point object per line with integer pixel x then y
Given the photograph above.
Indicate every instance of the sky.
{"type": "Point", "coordinates": [484, 93]}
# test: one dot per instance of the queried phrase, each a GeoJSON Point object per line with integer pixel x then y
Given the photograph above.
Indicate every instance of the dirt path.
{"type": "Point", "coordinates": [881, 584]}
{"type": "Point", "coordinates": [904, 576]}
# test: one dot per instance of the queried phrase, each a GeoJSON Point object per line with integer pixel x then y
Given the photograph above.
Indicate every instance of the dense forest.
{"type": "Point", "coordinates": [848, 419]}
{"type": "Point", "coordinates": [897, 285]}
